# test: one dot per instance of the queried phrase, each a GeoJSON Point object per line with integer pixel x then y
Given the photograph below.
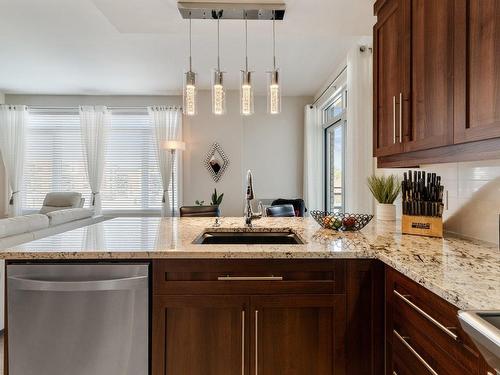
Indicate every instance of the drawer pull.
{"type": "Point", "coordinates": [250, 278]}
{"type": "Point", "coordinates": [243, 342]}
{"type": "Point", "coordinates": [394, 120]}
{"type": "Point", "coordinates": [430, 318]}
{"type": "Point", "coordinates": [414, 352]}
{"type": "Point", "coordinates": [256, 342]}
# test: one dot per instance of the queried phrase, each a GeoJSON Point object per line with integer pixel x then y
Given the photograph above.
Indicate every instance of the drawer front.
{"type": "Point", "coordinates": [431, 323]}
{"type": "Point", "coordinates": [248, 276]}
{"type": "Point", "coordinates": [405, 362]}
{"type": "Point", "coordinates": [416, 340]}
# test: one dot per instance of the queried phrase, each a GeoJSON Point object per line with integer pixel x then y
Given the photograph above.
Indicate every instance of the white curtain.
{"type": "Point", "coordinates": [167, 123]}
{"type": "Point", "coordinates": [13, 121]}
{"type": "Point", "coordinates": [94, 124]}
{"type": "Point", "coordinates": [358, 153]}
{"type": "Point", "coordinates": [313, 176]}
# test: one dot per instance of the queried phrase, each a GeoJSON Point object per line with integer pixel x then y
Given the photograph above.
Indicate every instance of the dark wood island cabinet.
{"type": "Point", "coordinates": [269, 317]}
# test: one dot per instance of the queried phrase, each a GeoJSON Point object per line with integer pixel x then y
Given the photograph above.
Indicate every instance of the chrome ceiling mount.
{"type": "Point", "coordinates": [232, 11]}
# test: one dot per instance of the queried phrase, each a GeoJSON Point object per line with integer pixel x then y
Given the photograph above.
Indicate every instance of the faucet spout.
{"type": "Point", "coordinates": [249, 214]}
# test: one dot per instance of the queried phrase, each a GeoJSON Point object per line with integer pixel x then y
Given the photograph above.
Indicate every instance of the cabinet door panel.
{"type": "Point", "coordinates": [388, 78]}
{"type": "Point", "coordinates": [431, 99]}
{"type": "Point", "coordinates": [199, 335]}
{"type": "Point", "coordinates": [477, 82]}
{"type": "Point", "coordinates": [298, 335]}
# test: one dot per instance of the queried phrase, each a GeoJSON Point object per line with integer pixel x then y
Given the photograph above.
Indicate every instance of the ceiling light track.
{"type": "Point", "coordinates": [232, 11]}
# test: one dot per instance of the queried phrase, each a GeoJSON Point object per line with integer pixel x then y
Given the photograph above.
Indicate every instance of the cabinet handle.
{"type": "Point", "coordinates": [256, 342]}
{"type": "Point", "coordinates": [414, 352]}
{"type": "Point", "coordinates": [243, 342]}
{"type": "Point", "coordinates": [400, 117]}
{"type": "Point", "coordinates": [394, 119]}
{"type": "Point", "coordinates": [250, 278]}
{"type": "Point", "coordinates": [427, 316]}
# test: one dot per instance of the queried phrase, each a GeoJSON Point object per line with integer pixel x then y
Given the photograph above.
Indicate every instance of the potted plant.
{"type": "Point", "coordinates": [385, 190]}
{"type": "Point", "coordinates": [216, 199]}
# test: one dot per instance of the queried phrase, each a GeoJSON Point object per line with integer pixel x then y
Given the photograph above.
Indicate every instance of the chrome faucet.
{"type": "Point", "coordinates": [249, 215]}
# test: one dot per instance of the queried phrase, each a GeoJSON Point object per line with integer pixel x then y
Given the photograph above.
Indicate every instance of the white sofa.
{"type": "Point", "coordinates": [61, 211]}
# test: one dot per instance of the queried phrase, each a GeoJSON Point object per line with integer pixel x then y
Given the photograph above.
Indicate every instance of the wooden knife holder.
{"type": "Point", "coordinates": [422, 225]}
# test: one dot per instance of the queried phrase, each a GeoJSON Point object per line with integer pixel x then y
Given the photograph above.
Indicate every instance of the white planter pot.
{"type": "Point", "coordinates": [386, 212]}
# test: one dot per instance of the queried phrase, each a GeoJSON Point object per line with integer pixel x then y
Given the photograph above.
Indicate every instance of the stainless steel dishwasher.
{"type": "Point", "coordinates": [79, 319]}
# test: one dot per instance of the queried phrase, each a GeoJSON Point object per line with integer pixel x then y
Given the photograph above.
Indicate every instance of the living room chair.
{"type": "Point", "coordinates": [284, 210]}
{"type": "Point", "coordinates": [200, 211]}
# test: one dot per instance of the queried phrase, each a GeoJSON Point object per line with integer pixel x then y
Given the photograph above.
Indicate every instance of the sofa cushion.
{"type": "Point", "coordinates": [60, 201]}
{"type": "Point", "coordinates": [22, 224]}
{"type": "Point", "coordinates": [65, 216]}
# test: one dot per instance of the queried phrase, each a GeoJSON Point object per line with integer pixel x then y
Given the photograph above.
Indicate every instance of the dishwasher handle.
{"type": "Point", "coordinates": [32, 284]}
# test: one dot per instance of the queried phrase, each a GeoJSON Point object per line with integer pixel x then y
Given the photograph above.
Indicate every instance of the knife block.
{"type": "Point", "coordinates": [422, 225]}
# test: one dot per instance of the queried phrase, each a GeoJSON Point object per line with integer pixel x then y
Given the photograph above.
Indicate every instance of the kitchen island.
{"type": "Point", "coordinates": [327, 306]}
{"type": "Point", "coordinates": [465, 273]}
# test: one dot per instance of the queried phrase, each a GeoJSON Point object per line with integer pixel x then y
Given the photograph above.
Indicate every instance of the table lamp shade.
{"type": "Point", "coordinates": [174, 145]}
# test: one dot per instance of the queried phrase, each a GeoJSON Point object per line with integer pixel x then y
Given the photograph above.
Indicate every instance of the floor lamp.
{"type": "Point", "coordinates": [173, 146]}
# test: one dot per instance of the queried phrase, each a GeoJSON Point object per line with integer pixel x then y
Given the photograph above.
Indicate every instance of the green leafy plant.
{"type": "Point", "coordinates": [384, 189]}
{"type": "Point", "coordinates": [199, 203]}
{"type": "Point", "coordinates": [217, 199]}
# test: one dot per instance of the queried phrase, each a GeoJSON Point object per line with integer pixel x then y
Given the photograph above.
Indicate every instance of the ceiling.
{"type": "Point", "coordinates": [139, 47]}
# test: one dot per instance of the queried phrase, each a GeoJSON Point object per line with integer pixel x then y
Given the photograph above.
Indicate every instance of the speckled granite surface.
{"type": "Point", "coordinates": [465, 273]}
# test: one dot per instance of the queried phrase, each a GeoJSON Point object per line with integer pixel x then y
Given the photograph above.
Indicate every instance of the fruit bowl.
{"type": "Point", "coordinates": [341, 221]}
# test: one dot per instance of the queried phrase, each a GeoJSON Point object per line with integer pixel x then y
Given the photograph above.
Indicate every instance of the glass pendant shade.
{"type": "Point", "coordinates": [246, 94]}
{"type": "Point", "coordinates": [189, 91]}
{"type": "Point", "coordinates": [218, 93]}
{"type": "Point", "coordinates": [274, 93]}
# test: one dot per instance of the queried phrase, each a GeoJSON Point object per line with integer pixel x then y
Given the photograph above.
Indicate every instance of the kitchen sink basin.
{"type": "Point", "coordinates": [483, 327]}
{"type": "Point", "coordinates": [287, 237]}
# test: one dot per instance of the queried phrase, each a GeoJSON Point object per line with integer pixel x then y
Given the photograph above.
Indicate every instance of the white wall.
{"type": "Point", "coordinates": [272, 146]}
{"type": "Point", "coordinates": [474, 197]}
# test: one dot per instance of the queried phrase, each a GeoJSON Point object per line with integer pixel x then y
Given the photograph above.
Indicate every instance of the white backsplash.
{"type": "Point", "coordinates": [473, 197]}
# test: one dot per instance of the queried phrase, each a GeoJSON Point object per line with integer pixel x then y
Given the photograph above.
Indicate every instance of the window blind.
{"type": "Point", "coordinates": [54, 158]}
{"type": "Point", "coordinates": [55, 161]}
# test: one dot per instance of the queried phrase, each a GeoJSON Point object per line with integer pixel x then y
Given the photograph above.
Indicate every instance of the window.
{"type": "Point", "coordinates": [54, 158]}
{"type": "Point", "coordinates": [334, 124]}
{"type": "Point", "coordinates": [132, 179]}
{"type": "Point", "coordinates": [55, 161]}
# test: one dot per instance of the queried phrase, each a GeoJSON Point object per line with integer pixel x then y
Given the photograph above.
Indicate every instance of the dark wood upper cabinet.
{"type": "Point", "coordinates": [449, 81]}
{"type": "Point", "coordinates": [431, 95]}
{"type": "Point", "coordinates": [477, 83]}
{"type": "Point", "coordinates": [389, 58]}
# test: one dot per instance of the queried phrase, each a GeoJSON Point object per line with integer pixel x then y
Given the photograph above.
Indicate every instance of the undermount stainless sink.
{"type": "Point", "coordinates": [256, 237]}
{"type": "Point", "coordinates": [483, 327]}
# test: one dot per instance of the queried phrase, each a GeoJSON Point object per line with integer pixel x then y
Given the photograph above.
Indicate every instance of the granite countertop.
{"type": "Point", "coordinates": [465, 273]}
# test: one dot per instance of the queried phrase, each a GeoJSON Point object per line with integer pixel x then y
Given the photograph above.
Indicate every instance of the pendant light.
{"type": "Point", "coordinates": [189, 92]}
{"type": "Point", "coordinates": [246, 88]}
{"type": "Point", "coordinates": [218, 90]}
{"type": "Point", "coordinates": [273, 84]}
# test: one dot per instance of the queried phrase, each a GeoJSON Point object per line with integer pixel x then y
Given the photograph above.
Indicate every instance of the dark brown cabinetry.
{"type": "Point", "coordinates": [389, 77]}
{"type": "Point", "coordinates": [423, 333]}
{"type": "Point", "coordinates": [298, 335]}
{"type": "Point", "coordinates": [477, 52]}
{"type": "Point", "coordinates": [440, 58]}
{"type": "Point", "coordinates": [297, 317]}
